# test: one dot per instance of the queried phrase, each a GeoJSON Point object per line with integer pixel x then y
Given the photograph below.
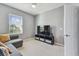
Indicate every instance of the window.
{"type": "Point", "coordinates": [15, 24]}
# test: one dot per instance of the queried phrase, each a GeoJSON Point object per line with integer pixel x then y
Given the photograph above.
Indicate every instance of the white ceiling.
{"type": "Point", "coordinates": [41, 7]}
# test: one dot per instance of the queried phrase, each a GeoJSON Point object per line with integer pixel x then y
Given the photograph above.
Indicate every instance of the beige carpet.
{"type": "Point", "coordinates": [33, 47]}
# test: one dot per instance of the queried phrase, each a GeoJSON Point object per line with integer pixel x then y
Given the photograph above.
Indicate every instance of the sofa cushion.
{"type": "Point", "coordinates": [15, 40]}
{"type": "Point", "coordinates": [12, 37]}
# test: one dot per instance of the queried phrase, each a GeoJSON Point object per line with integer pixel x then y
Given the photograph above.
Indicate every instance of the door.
{"type": "Point", "coordinates": [71, 25]}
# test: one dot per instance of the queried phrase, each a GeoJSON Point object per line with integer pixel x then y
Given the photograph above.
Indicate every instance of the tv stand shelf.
{"type": "Point", "coordinates": [45, 41]}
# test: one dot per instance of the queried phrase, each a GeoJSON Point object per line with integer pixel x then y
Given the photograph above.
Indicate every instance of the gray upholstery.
{"type": "Point", "coordinates": [16, 42]}
{"type": "Point", "coordinates": [15, 52]}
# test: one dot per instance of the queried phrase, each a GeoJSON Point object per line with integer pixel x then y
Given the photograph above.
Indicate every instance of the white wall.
{"type": "Point", "coordinates": [54, 18]}
{"type": "Point", "coordinates": [28, 21]}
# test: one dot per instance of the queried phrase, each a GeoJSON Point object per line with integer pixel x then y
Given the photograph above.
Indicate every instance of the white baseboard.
{"type": "Point", "coordinates": [59, 44]}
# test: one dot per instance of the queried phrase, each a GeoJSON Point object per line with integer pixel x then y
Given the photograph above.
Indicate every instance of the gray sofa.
{"type": "Point", "coordinates": [14, 39]}
{"type": "Point", "coordinates": [14, 43]}
{"type": "Point", "coordinates": [15, 52]}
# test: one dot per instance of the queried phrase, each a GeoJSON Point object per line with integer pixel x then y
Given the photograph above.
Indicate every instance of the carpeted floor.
{"type": "Point", "coordinates": [33, 47]}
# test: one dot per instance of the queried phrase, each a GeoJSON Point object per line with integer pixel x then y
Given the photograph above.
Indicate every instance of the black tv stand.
{"type": "Point", "coordinates": [45, 36]}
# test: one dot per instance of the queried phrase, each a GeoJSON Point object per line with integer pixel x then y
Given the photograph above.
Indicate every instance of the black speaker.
{"type": "Point", "coordinates": [38, 29]}
{"type": "Point", "coordinates": [47, 29]}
